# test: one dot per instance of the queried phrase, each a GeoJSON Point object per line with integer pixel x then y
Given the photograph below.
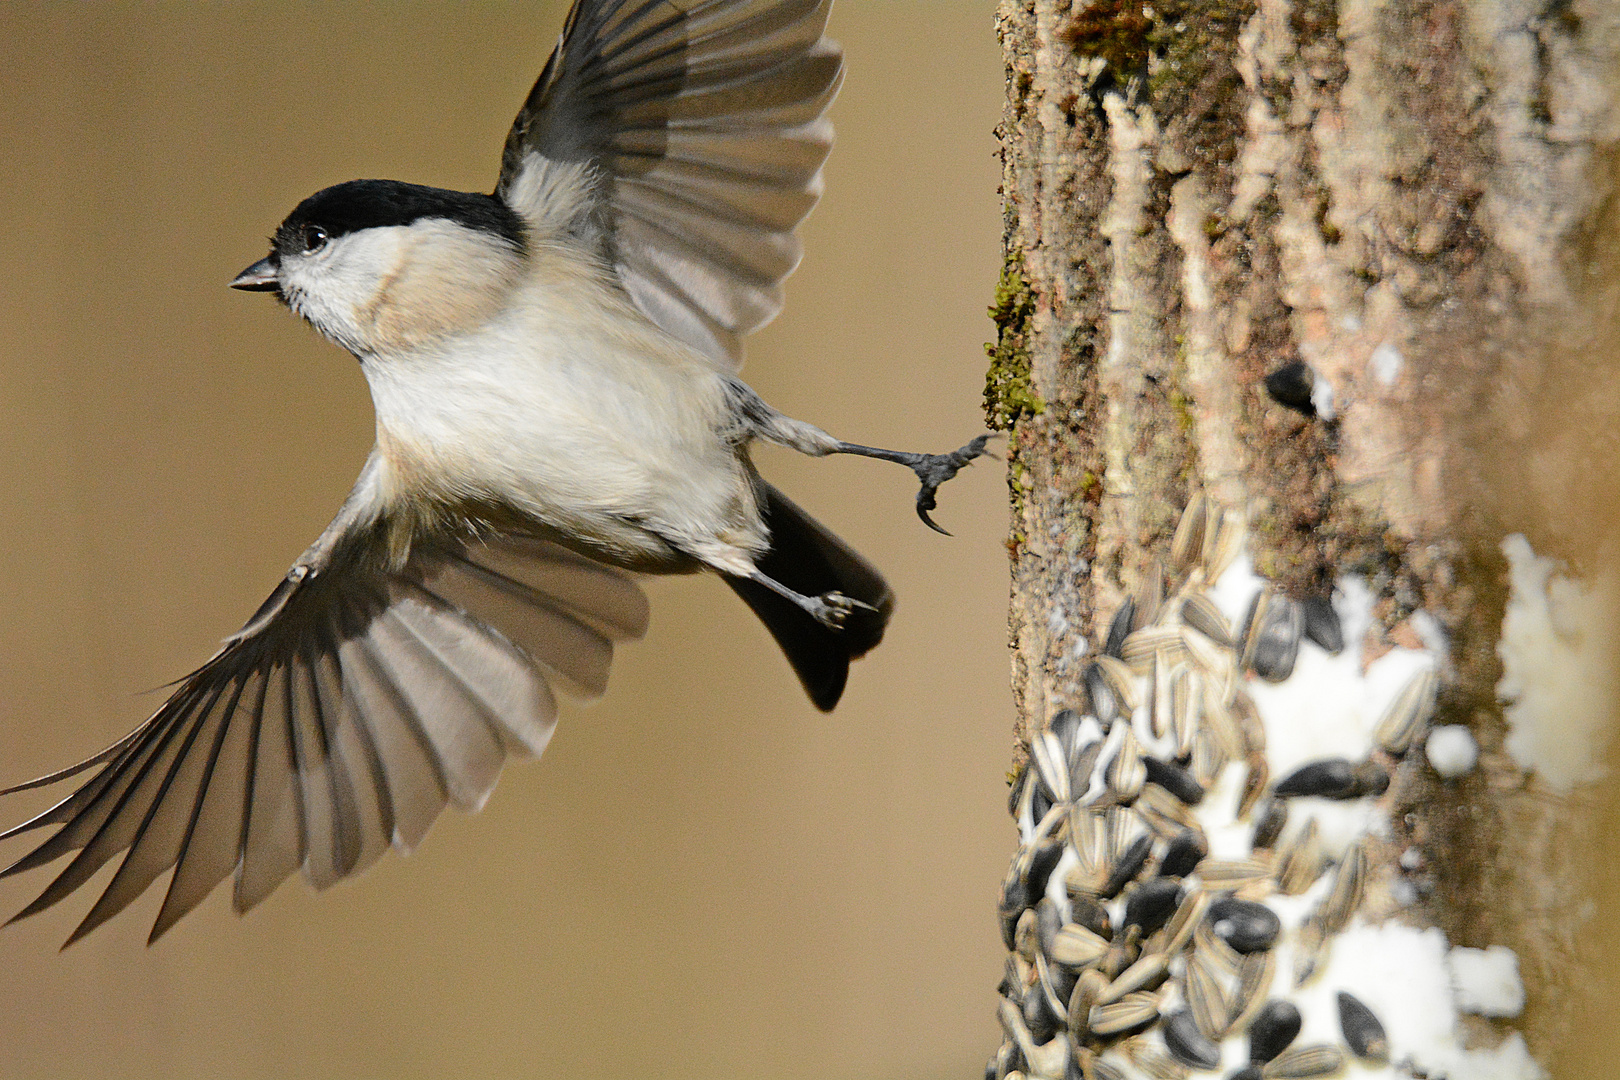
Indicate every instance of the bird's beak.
{"type": "Point", "coordinates": [260, 277]}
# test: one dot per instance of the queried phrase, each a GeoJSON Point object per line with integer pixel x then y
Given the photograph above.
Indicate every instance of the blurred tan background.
{"type": "Point", "coordinates": [703, 877]}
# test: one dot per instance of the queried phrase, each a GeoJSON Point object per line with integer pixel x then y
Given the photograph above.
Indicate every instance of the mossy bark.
{"type": "Point", "coordinates": [1412, 198]}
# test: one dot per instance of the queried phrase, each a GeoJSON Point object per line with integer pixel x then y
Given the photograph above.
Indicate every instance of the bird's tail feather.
{"type": "Point", "coordinates": [807, 558]}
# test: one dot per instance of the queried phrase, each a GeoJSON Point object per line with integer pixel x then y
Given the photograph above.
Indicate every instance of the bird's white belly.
{"type": "Point", "coordinates": [621, 451]}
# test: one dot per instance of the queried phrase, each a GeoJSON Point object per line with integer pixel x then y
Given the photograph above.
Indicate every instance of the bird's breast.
{"type": "Point", "coordinates": [591, 431]}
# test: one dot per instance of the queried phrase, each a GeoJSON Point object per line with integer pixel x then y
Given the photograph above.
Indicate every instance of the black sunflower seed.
{"type": "Point", "coordinates": [1246, 926]}
{"type": "Point", "coordinates": [1273, 1029]}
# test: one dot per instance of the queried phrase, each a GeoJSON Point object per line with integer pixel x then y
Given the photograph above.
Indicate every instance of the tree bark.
{"type": "Point", "coordinates": [1402, 214]}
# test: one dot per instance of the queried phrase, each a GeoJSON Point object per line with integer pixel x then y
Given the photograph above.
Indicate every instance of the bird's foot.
{"type": "Point", "coordinates": [833, 609]}
{"type": "Point", "coordinates": [934, 469]}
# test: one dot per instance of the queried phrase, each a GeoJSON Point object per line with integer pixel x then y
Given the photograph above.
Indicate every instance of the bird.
{"type": "Point", "coordinates": [554, 372]}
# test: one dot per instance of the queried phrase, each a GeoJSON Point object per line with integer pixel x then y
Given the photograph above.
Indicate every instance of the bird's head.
{"type": "Point", "coordinates": [381, 266]}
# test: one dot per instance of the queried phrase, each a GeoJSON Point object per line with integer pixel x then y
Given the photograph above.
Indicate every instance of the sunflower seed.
{"type": "Point", "coordinates": [1234, 873]}
{"type": "Point", "coordinates": [1013, 903]}
{"type": "Point", "coordinates": [1362, 1031]}
{"type": "Point", "coordinates": [1246, 715]}
{"type": "Point", "coordinates": [1067, 725]}
{"type": "Point", "coordinates": [1126, 773]}
{"type": "Point", "coordinates": [1371, 778]}
{"type": "Point", "coordinates": [1268, 825]}
{"type": "Point", "coordinates": [1048, 921]}
{"type": "Point", "coordinates": [1322, 623]}
{"type": "Point", "coordinates": [1215, 952]}
{"type": "Point", "coordinates": [1332, 778]}
{"type": "Point", "coordinates": [1272, 632]}
{"type": "Point", "coordinates": [1208, 758]}
{"type": "Point", "coordinates": [1120, 830]}
{"type": "Point", "coordinates": [1186, 708]}
{"type": "Point", "coordinates": [1184, 854]}
{"type": "Point", "coordinates": [1255, 974]}
{"type": "Point", "coordinates": [1292, 385]}
{"type": "Point", "coordinates": [1301, 861]}
{"type": "Point", "coordinates": [1408, 713]}
{"type": "Point", "coordinates": [1051, 763]}
{"type": "Point", "coordinates": [1165, 814]}
{"type": "Point", "coordinates": [1012, 983]}
{"type": "Point", "coordinates": [1040, 803]}
{"type": "Point", "coordinates": [1017, 791]}
{"type": "Point", "coordinates": [1043, 1013]}
{"type": "Point", "coordinates": [1043, 858]}
{"type": "Point", "coordinates": [1255, 777]}
{"type": "Point", "coordinates": [1303, 1062]}
{"type": "Point", "coordinates": [1081, 1001]}
{"type": "Point", "coordinates": [1160, 703]}
{"type": "Point", "coordinates": [1174, 779]}
{"type": "Point", "coordinates": [1077, 948]}
{"type": "Point", "coordinates": [1149, 595]}
{"type": "Point", "coordinates": [1188, 541]}
{"type": "Point", "coordinates": [1081, 765]}
{"type": "Point", "coordinates": [1189, 915]}
{"type": "Point", "coordinates": [1349, 884]}
{"type": "Point", "coordinates": [1104, 705]}
{"type": "Point", "coordinates": [1088, 913]}
{"type": "Point", "coordinates": [1275, 1026]}
{"type": "Point", "coordinates": [1153, 642]}
{"type": "Point", "coordinates": [1310, 949]}
{"type": "Point", "coordinates": [1188, 1044]}
{"type": "Point", "coordinates": [1120, 681]}
{"type": "Point", "coordinates": [1223, 539]}
{"type": "Point", "coordinates": [1151, 904]}
{"type": "Point", "coordinates": [1127, 867]}
{"type": "Point", "coordinates": [1199, 612]}
{"type": "Point", "coordinates": [1026, 940]}
{"type": "Point", "coordinates": [1146, 974]}
{"type": "Point", "coordinates": [1210, 656]}
{"type": "Point", "coordinates": [1135, 1013]}
{"type": "Point", "coordinates": [1120, 629]}
{"type": "Point", "coordinates": [1244, 925]}
{"type": "Point", "coordinates": [1222, 725]}
{"type": "Point", "coordinates": [1155, 1064]}
{"type": "Point", "coordinates": [1205, 998]}
{"type": "Point", "coordinates": [1058, 983]}
{"type": "Point", "coordinates": [1008, 1062]}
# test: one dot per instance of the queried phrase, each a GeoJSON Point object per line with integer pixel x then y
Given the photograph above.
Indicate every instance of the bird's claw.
{"type": "Point", "coordinates": [833, 609]}
{"type": "Point", "coordinates": [934, 469]}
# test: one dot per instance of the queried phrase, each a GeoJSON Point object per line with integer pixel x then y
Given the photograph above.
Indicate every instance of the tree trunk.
{"type": "Point", "coordinates": [1336, 279]}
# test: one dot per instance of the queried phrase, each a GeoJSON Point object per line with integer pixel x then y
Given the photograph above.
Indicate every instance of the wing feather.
{"type": "Point", "coordinates": [273, 846]}
{"type": "Point", "coordinates": [213, 846]}
{"type": "Point", "coordinates": [701, 124]}
{"type": "Point", "coordinates": [354, 705]}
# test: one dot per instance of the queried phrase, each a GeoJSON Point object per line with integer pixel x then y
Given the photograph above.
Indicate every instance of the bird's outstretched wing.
{"type": "Point", "coordinates": [341, 719]}
{"type": "Point", "coordinates": [699, 125]}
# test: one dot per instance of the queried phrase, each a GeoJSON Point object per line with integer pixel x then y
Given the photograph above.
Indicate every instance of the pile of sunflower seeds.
{"type": "Point", "coordinates": [1132, 952]}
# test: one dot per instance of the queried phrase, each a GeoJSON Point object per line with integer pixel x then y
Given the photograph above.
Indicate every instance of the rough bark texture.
{"type": "Point", "coordinates": [1411, 197]}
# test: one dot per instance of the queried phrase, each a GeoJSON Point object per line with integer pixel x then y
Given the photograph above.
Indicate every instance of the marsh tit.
{"type": "Point", "coordinates": [554, 372]}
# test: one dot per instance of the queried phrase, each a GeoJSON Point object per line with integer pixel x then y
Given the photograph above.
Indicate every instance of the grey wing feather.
{"type": "Point", "coordinates": [700, 123]}
{"type": "Point", "coordinates": [350, 710]}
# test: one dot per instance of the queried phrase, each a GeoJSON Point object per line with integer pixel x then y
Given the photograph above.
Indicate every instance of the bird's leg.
{"type": "Point", "coordinates": [932, 469]}
{"type": "Point", "coordinates": [830, 609]}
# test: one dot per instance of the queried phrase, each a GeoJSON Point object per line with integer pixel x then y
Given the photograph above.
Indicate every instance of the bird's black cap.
{"type": "Point", "coordinates": [369, 204]}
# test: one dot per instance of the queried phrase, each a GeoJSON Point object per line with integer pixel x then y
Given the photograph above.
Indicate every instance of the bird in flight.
{"type": "Point", "coordinates": [554, 372]}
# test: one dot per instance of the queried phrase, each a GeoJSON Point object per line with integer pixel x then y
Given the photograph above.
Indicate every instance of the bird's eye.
{"type": "Point", "coordinates": [314, 238]}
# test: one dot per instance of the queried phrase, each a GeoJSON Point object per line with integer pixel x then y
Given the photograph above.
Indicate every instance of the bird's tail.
{"type": "Point", "coordinates": [807, 558]}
